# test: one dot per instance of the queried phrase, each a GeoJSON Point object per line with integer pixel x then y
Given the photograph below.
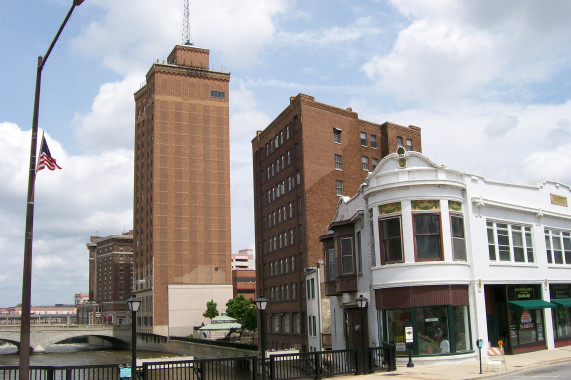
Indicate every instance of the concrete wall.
{"type": "Point", "coordinates": [199, 351]}
{"type": "Point", "coordinates": [187, 303]}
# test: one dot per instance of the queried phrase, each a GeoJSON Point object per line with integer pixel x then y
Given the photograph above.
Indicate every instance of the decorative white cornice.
{"type": "Point", "coordinates": [480, 202]}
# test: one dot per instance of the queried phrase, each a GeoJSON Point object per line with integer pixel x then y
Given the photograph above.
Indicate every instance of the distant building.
{"type": "Point", "coordinates": [181, 209]}
{"type": "Point", "coordinates": [244, 259]}
{"type": "Point", "coordinates": [244, 283]}
{"type": "Point", "coordinates": [110, 277]}
{"type": "Point", "coordinates": [81, 298]}
{"type": "Point", "coordinates": [307, 157]}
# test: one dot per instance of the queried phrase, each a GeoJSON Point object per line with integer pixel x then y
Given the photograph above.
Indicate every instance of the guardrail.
{"type": "Point", "coordinates": [307, 365]}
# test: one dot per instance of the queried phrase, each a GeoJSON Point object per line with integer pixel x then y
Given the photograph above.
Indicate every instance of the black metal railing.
{"type": "Point", "coordinates": [87, 372]}
{"type": "Point", "coordinates": [313, 365]}
{"type": "Point", "coordinates": [307, 365]}
{"type": "Point", "coordinates": [239, 368]}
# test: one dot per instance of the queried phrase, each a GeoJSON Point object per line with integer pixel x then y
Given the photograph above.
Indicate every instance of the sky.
{"type": "Point", "coordinates": [488, 82]}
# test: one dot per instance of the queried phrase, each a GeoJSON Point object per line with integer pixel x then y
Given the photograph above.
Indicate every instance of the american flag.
{"type": "Point", "coordinates": [46, 160]}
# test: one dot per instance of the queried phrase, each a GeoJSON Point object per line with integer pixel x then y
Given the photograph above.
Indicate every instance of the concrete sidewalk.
{"type": "Point", "coordinates": [471, 369]}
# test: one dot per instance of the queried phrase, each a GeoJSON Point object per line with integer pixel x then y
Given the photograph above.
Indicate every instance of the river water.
{"type": "Point", "coordinates": [76, 354]}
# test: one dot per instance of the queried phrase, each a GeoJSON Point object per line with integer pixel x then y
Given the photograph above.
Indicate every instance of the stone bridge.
{"type": "Point", "coordinates": [44, 336]}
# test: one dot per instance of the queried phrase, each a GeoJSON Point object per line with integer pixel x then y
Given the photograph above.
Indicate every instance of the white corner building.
{"type": "Point", "coordinates": [454, 255]}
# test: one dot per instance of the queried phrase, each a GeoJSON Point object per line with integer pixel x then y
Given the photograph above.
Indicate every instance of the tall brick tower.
{"type": "Point", "coordinates": [309, 156]}
{"type": "Point", "coordinates": [182, 192]}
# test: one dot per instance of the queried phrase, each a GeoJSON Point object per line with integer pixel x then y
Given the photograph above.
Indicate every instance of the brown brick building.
{"type": "Point", "coordinates": [182, 190]}
{"type": "Point", "coordinates": [244, 283]}
{"type": "Point", "coordinates": [311, 154]}
{"type": "Point", "coordinates": [110, 276]}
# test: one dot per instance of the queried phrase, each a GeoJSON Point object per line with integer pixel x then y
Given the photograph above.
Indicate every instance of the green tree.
{"type": "Point", "coordinates": [243, 310]}
{"type": "Point", "coordinates": [211, 310]}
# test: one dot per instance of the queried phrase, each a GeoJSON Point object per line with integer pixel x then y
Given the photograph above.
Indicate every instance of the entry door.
{"type": "Point", "coordinates": [353, 329]}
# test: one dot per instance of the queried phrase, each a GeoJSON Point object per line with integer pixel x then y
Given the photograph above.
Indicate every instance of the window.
{"type": "Point", "coordinates": [292, 261]}
{"type": "Point", "coordinates": [285, 323]}
{"type": "Point", "coordinates": [509, 242]}
{"type": "Point", "coordinates": [296, 323]}
{"type": "Point", "coordinates": [399, 141]}
{"type": "Point", "coordinates": [331, 264]}
{"type": "Point", "coordinates": [374, 162]}
{"type": "Point", "coordinates": [365, 162]}
{"type": "Point", "coordinates": [338, 162]}
{"type": "Point", "coordinates": [359, 254]}
{"type": "Point", "coordinates": [408, 144]}
{"type": "Point", "coordinates": [363, 139]}
{"type": "Point", "coordinates": [217, 94]}
{"type": "Point", "coordinates": [339, 187]}
{"type": "Point", "coordinates": [347, 256]}
{"type": "Point", "coordinates": [374, 141]}
{"type": "Point", "coordinates": [558, 245]}
{"type": "Point", "coordinates": [293, 291]}
{"type": "Point", "coordinates": [391, 247]}
{"type": "Point", "coordinates": [337, 135]}
{"type": "Point", "coordinates": [427, 237]}
{"type": "Point", "coordinates": [458, 240]}
{"type": "Point", "coordinates": [275, 323]}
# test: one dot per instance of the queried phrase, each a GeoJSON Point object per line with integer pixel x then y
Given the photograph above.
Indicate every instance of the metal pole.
{"type": "Point", "coordinates": [410, 364]}
{"type": "Point", "coordinates": [262, 344]}
{"type": "Point", "coordinates": [134, 345]}
{"type": "Point", "coordinates": [24, 355]}
{"type": "Point", "coordinates": [364, 347]}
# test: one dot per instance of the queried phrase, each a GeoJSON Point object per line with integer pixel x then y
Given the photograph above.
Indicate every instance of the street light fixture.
{"type": "Point", "coordinates": [24, 367]}
{"type": "Point", "coordinates": [134, 304]}
{"type": "Point", "coordinates": [362, 304]}
{"type": "Point", "coordinates": [261, 304]}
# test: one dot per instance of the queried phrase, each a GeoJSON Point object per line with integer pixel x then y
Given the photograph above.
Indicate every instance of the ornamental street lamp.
{"type": "Point", "coordinates": [362, 303]}
{"type": "Point", "coordinates": [134, 304]}
{"type": "Point", "coordinates": [261, 304]}
{"type": "Point", "coordinates": [24, 367]}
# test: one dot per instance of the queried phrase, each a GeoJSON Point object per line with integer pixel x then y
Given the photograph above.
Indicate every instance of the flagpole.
{"type": "Point", "coordinates": [27, 273]}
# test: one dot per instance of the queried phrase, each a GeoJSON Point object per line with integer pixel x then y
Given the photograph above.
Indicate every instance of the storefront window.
{"type": "Point", "coordinates": [526, 326]}
{"type": "Point", "coordinates": [562, 322]}
{"type": "Point", "coordinates": [396, 320]}
{"type": "Point", "coordinates": [461, 328]}
{"type": "Point", "coordinates": [432, 324]}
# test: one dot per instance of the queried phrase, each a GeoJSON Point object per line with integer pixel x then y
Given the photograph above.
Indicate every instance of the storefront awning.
{"type": "Point", "coordinates": [530, 305]}
{"type": "Point", "coordinates": [562, 302]}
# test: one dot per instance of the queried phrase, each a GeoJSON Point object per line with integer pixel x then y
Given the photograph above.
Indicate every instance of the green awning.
{"type": "Point", "coordinates": [562, 302]}
{"type": "Point", "coordinates": [530, 305]}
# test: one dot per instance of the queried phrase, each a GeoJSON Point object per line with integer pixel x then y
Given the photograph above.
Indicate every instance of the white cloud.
{"type": "Point", "coordinates": [501, 125]}
{"type": "Point", "coordinates": [454, 48]}
{"type": "Point", "coordinates": [110, 123]}
{"type": "Point", "coordinates": [133, 33]}
{"type": "Point", "coordinates": [245, 120]}
{"type": "Point", "coordinates": [552, 163]}
{"type": "Point", "coordinates": [91, 192]}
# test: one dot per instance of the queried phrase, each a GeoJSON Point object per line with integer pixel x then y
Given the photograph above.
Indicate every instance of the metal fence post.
{"type": "Point", "coordinates": [317, 366]}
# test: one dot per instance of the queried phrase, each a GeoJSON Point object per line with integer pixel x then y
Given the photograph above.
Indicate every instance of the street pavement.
{"type": "Point", "coordinates": [471, 369]}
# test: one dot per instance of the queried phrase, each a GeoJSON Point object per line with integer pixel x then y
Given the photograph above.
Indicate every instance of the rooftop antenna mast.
{"type": "Point", "coordinates": [186, 38]}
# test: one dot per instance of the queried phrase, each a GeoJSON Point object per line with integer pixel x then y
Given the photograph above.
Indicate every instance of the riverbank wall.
{"type": "Point", "coordinates": [157, 343]}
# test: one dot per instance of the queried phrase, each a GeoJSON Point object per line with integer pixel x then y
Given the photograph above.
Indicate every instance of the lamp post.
{"type": "Point", "coordinates": [261, 304]}
{"type": "Point", "coordinates": [24, 356]}
{"type": "Point", "coordinates": [134, 304]}
{"type": "Point", "coordinates": [362, 303]}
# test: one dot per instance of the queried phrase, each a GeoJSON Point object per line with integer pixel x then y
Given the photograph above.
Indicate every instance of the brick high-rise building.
{"type": "Point", "coordinates": [308, 157]}
{"type": "Point", "coordinates": [110, 276]}
{"type": "Point", "coordinates": [182, 192]}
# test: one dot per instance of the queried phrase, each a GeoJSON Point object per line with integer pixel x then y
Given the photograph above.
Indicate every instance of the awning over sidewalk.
{"type": "Point", "coordinates": [530, 305]}
{"type": "Point", "coordinates": [562, 302]}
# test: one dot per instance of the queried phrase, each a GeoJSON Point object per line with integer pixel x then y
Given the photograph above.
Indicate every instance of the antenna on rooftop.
{"type": "Point", "coordinates": [186, 38]}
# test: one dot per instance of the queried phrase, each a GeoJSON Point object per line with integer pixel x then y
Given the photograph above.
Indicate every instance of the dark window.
{"type": "Point", "coordinates": [363, 139]}
{"type": "Point", "coordinates": [336, 135]}
{"type": "Point", "coordinates": [458, 240]}
{"type": "Point", "coordinates": [217, 94]}
{"type": "Point", "coordinates": [391, 239]}
{"type": "Point", "coordinates": [427, 237]}
{"type": "Point", "coordinates": [374, 141]}
{"type": "Point", "coordinates": [332, 264]}
{"type": "Point", "coordinates": [399, 141]}
{"type": "Point", "coordinates": [347, 266]}
{"type": "Point", "coordinates": [408, 144]}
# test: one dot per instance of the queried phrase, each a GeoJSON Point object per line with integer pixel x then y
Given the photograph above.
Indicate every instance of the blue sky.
{"type": "Point", "coordinates": [487, 81]}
